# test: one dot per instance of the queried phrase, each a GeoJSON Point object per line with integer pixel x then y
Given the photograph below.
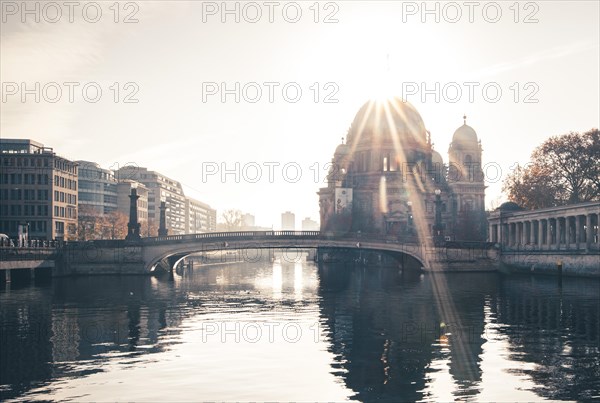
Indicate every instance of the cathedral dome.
{"type": "Point", "coordinates": [464, 135]}
{"type": "Point", "coordinates": [342, 150]}
{"type": "Point", "coordinates": [510, 206]}
{"type": "Point", "coordinates": [389, 120]}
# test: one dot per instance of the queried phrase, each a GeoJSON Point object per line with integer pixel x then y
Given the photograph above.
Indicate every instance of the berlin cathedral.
{"type": "Point", "coordinates": [387, 179]}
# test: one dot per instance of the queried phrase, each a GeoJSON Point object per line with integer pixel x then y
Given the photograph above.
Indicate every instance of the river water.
{"type": "Point", "coordinates": [292, 331]}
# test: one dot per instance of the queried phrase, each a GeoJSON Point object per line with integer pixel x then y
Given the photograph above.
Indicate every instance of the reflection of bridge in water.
{"type": "Point", "coordinates": [383, 327]}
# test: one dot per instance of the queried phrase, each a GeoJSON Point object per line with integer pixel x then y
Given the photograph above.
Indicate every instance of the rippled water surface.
{"type": "Point", "coordinates": [298, 332]}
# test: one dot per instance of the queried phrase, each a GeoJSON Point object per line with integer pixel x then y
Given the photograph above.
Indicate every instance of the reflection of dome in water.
{"type": "Point", "coordinates": [379, 120]}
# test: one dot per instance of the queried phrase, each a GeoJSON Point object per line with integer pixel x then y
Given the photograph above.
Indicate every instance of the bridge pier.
{"type": "Point", "coordinates": [7, 278]}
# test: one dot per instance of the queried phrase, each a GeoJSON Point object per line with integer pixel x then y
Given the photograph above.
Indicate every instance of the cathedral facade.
{"type": "Point", "coordinates": [387, 179]}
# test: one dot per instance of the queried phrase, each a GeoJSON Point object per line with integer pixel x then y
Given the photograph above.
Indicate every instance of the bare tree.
{"type": "Point", "coordinates": [232, 220]}
{"type": "Point", "coordinates": [563, 170]}
{"type": "Point", "coordinates": [115, 224]}
{"type": "Point", "coordinates": [89, 223]}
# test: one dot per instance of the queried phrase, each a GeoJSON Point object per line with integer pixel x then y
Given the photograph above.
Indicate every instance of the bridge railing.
{"type": "Point", "coordinates": [232, 234]}
{"type": "Point", "coordinates": [245, 235]}
{"type": "Point", "coordinates": [23, 253]}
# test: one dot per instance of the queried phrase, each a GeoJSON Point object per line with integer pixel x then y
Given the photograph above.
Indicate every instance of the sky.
{"type": "Point", "coordinates": [245, 102]}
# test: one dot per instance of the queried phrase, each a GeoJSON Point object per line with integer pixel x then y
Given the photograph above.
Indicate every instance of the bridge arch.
{"type": "Point", "coordinates": [167, 251]}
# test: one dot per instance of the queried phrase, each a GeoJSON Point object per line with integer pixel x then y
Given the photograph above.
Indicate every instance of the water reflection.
{"type": "Point", "coordinates": [391, 333]}
{"type": "Point", "coordinates": [363, 333]}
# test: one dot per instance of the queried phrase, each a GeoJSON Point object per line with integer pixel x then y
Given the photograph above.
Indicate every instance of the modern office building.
{"type": "Point", "coordinates": [160, 188]}
{"type": "Point", "coordinates": [97, 189]}
{"type": "Point", "coordinates": [38, 191]}
{"type": "Point", "coordinates": [200, 217]}
{"type": "Point", "coordinates": [288, 221]}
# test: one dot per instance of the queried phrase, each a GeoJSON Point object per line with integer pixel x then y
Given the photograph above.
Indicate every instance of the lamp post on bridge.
{"type": "Point", "coordinates": [438, 235]}
{"type": "Point", "coordinates": [410, 219]}
{"type": "Point", "coordinates": [133, 226]}
{"type": "Point", "coordinates": [162, 225]}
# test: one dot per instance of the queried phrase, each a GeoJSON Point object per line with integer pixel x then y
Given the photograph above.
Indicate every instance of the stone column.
{"type": "Point", "coordinates": [491, 232]}
{"type": "Point", "coordinates": [578, 229]}
{"type": "Point", "coordinates": [589, 231]}
{"type": "Point", "coordinates": [540, 233]}
{"type": "Point", "coordinates": [568, 232]}
{"type": "Point", "coordinates": [512, 234]}
{"type": "Point", "coordinates": [558, 229]}
{"type": "Point", "coordinates": [532, 232]}
{"type": "Point", "coordinates": [598, 233]}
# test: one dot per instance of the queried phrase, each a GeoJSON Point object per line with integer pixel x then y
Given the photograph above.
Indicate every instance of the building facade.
{"type": "Point", "coordinates": [288, 221]}
{"type": "Point", "coordinates": [387, 178]}
{"type": "Point", "coordinates": [248, 220]}
{"type": "Point", "coordinates": [38, 191]}
{"type": "Point", "coordinates": [571, 227]}
{"type": "Point", "coordinates": [308, 224]}
{"type": "Point", "coordinates": [97, 189]}
{"type": "Point", "coordinates": [200, 217]}
{"type": "Point", "coordinates": [160, 188]}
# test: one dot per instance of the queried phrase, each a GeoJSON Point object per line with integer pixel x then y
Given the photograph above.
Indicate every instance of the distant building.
{"type": "Point", "coordinates": [288, 221]}
{"type": "Point", "coordinates": [309, 224]}
{"type": "Point", "coordinates": [248, 220]}
{"type": "Point", "coordinates": [160, 188]}
{"type": "Point", "coordinates": [97, 189]}
{"type": "Point", "coordinates": [200, 217]}
{"type": "Point", "coordinates": [123, 202]}
{"type": "Point", "coordinates": [100, 193]}
{"type": "Point", "coordinates": [38, 191]}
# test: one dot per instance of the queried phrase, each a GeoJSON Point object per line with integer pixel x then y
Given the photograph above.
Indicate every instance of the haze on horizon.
{"type": "Point", "coordinates": [170, 57]}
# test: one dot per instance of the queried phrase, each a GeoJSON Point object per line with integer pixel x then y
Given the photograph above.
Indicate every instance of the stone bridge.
{"type": "Point", "coordinates": [151, 254]}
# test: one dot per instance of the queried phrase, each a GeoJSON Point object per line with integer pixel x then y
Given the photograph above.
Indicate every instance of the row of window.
{"type": "Point", "coordinates": [12, 226]}
{"type": "Point", "coordinates": [26, 162]}
{"type": "Point", "coordinates": [64, 197]}
{"type": "Point", "coordinates": [66, 183]}
{"type": "Point", "coordinates": [23, 210]}
{"type": "Point", "coordinates": [65, 166]}
{"type": "Point", "coordinates": [25, 194]}
{"type": "Point", "coordinates": [25, 179]}
{"type": "Point", "coordinates": [69, 212]}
